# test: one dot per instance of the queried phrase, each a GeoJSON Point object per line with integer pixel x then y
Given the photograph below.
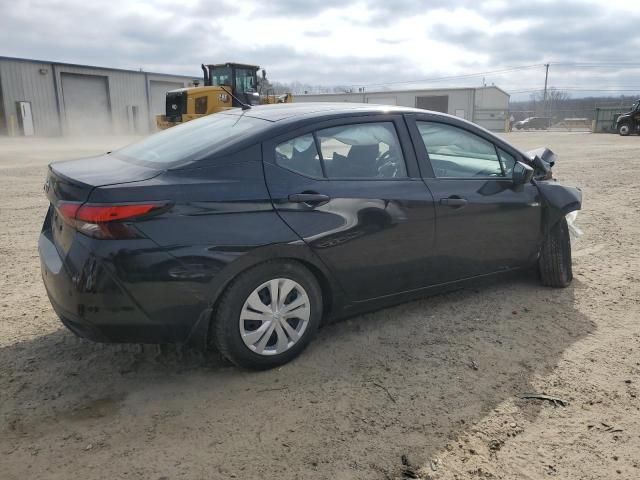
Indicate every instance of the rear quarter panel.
{"type": "Point", "coordinates": [221, 222]}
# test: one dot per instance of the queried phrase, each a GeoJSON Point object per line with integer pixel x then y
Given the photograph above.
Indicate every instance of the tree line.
{"type": "Point", "coordinates": [560, 105]}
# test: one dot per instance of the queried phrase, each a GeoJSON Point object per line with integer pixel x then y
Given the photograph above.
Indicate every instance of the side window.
{"type": "Point", "coordinates": [364, 150]}
{"type": "Point", "coordinates": [455, 152]}
{"type": "Point", "coordinates": [508, 161]}
{"type": "Point", "coordinates": [300, 155]}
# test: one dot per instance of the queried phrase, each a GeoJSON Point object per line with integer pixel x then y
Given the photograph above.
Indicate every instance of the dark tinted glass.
{"type": "Point", "coordinates": [365, 150]}
{"type": "Point", "coordinates": [186, 141]}
{"type": "Point", "coordinates": [300, 155]}
{"type": "Point", "coordinates": [454, 152]}
{"type": "Point", "coordinates": [508, 161]}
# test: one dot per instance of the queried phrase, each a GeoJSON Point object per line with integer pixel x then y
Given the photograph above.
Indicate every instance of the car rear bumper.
{"type": "Point", "coordinates": [112, 296]}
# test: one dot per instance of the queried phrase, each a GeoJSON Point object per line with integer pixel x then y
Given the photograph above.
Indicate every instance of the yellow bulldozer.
{"type": "Point", "coordinates": [225, 86]}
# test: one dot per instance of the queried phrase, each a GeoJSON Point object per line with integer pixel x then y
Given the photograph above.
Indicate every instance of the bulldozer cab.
{"type": "Point", "coordinates": [242, 79]}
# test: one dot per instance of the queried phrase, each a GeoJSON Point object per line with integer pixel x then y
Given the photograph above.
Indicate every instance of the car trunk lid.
{"type": "Point", "coordinates": [73, 180]}
{"type": "Point", "coordinates": [71, 183]}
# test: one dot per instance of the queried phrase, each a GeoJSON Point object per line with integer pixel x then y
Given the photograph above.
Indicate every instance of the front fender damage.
{"type": "Point", "coordinates": [559, 200]}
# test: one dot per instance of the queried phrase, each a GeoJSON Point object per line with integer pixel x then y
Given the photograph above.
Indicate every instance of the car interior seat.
{"type": "Point", "coordinates": [359, 162]}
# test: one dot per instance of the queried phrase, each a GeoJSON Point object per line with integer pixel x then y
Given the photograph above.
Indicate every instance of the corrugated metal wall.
{"type": "Point", "coordinates": [23, 81]}
{"type": "Point", "coordinates": [40, 83]}
{"type": "Point", "coordinates": [491, 108]}
{"type": "Point", "coordinates": [605, 118]}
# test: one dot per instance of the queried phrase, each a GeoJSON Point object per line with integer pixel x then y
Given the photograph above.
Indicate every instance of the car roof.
{"type": "Point", "coordinates": [281, 118]}
{"type": "Point", "coordinates": [283, 111]}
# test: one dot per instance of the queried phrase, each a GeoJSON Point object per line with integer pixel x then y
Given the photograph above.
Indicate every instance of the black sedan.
{"type": "Point", "coordinates": [247, 229]}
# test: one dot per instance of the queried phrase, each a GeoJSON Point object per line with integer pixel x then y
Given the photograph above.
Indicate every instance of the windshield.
{"type": "Point", "coordinates": [191, 140]}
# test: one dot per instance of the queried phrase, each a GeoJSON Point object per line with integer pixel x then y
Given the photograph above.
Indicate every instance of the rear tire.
{"type": "Point", "coordinates": [555, 257]}
{"type": "Point", "coordinates": [249, 295]}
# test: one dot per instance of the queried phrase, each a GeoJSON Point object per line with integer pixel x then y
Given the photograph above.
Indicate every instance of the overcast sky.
{"type": "Point", "coordinates": [340, 42]}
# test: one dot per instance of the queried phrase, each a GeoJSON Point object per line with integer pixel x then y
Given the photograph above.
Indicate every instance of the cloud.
{"type": "Point", "coordinates": [318, 33]}
{"type": "Point", "coordinates": [334, 42]}
{"type": "Point", "coordinates": [549, 37]}
{"type": "Point", "coordinates": [296, 8]}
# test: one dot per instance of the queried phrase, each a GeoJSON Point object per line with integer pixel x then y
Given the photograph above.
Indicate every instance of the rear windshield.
{"type": "Point", "coordinates": [191, 140]}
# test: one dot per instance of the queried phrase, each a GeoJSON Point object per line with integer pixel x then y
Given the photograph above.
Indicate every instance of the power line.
{"type": "Point", "coordinates": [500, 71]}
{"type": "Point", "coordinates": [596, 65]}
{"type": "Point", "coordinates": [450, 77]}
{"type": "Point", "coordinates": [578, 89]}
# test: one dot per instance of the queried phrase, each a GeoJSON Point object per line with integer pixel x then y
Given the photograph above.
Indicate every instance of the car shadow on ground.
{"type": "Point", "coordinates": [407, 380]}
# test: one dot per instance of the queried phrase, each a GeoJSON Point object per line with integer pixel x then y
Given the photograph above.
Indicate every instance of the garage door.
{"type": "Point", "coordinates": [436, 103]}
{"type": "Point", "coordinates": [86, 104]}
{"type": "Point", "coordinates": [158, 94]}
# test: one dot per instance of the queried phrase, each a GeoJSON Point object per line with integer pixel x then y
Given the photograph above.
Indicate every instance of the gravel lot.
{"type": "Point", "coordinates": [430, 386]}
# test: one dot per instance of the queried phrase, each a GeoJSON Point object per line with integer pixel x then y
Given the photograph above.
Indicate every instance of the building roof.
{"type": "Point", "coordinates": [413, 90]}
{"type": "Point", "coordinates": [50, 62]}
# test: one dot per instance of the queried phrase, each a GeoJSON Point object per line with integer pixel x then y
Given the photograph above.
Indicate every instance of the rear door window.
{"type": "Point", "coordinates": [364, 150]}
{"type": "Point", "coordinates": [300, 155]}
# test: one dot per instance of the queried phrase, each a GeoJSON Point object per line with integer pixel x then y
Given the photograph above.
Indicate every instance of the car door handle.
{"type": "Point", "coordinates": [453, 202]}
{"type": "Point", "coordinates": [312, 199]}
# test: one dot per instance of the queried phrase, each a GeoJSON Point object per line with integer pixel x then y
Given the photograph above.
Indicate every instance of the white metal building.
{"type": "Point", "coordinates": [486, 106]}
{"type": "Point", "coordinates": [49, 98]}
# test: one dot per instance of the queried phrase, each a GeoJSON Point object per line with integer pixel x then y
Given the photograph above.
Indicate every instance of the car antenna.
{"type": "Point", "coordinates": [242, 104]}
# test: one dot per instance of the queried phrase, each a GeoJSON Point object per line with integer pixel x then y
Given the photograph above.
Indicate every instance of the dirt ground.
{"type": "Point", "coordinates": [431, 388]}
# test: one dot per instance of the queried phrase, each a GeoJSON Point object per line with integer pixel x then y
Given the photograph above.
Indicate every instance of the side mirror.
{"type": "Point", "coordinates": [522, 173]}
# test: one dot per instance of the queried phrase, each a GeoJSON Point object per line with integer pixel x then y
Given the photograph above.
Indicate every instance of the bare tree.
{"type": "Point", "coordinates": [555, 98]}
{"type": "Point", "coordinates": [554, 95]}
{"type": "Point", "coordinates": [342, 89]}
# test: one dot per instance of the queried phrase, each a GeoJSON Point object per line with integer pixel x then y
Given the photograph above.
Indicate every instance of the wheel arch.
{"type": "Point", "coordinates": [332, 295]}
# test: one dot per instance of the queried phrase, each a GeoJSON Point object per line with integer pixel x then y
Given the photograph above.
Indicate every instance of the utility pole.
{"type": "Point", "coordinates": [546, 78]}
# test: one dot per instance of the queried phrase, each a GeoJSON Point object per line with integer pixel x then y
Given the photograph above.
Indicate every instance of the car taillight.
{"type": "Point", "coordinates": [106, 221]}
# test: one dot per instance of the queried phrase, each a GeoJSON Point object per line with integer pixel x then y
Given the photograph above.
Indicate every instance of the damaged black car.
{"type": "Point", "coordinates": [247, 229]}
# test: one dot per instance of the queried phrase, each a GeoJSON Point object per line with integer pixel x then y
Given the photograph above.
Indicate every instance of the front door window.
{"type": "Point", "coordinates": [455, 152]}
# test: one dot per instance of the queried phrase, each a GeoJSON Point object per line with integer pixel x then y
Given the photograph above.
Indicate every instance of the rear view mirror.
{"type": "Point", "coordinates": [522, 173]}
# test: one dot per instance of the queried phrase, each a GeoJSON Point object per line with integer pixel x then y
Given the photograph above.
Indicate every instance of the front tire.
{"type": "Point", "coordinates": [624, 129]}
{"type": "Point", "coordinates": [268, 315]}
{"type": "Point", "coordinates": [555, 257]}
